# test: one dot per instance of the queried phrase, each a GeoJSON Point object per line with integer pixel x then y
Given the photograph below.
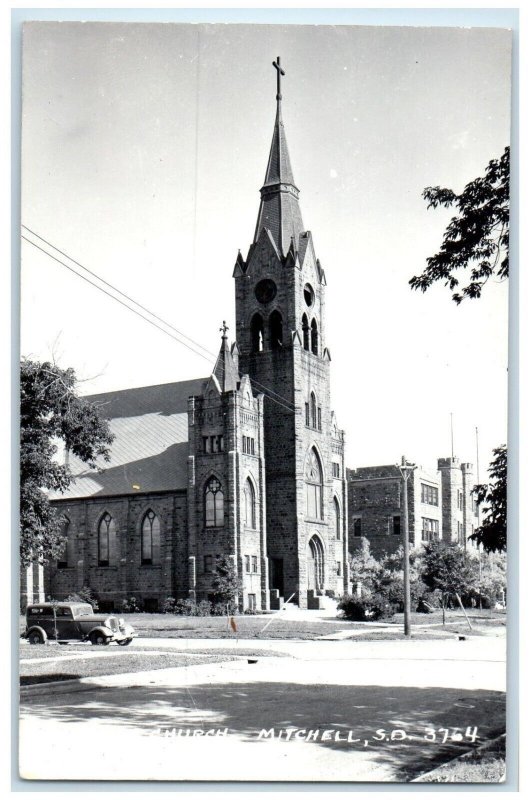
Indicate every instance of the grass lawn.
{"type": "Point", "coordinates": [250, 627]}
{"type": "Point", "coordinates": [62, 663]}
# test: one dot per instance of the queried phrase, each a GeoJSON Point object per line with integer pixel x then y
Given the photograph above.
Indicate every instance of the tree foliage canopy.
{"type": "Point", "coordinates": [50, 412]}
{"type": "Point", "coordinates": [492, 533]}
{"type": "Point", "coordinates": [477, 238]}
{"type": "Point", "coordinates": [448, 568]}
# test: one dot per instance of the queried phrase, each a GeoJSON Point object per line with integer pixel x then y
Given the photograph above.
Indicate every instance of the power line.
{"type": "Point", "coordinates": [148, 311]}
{"type": "Point", "coordinates": [115, 289]}
{"type": "Point", "coordinates": [84, 278]}
{"type": "Point", "coordinates": [266, 390]}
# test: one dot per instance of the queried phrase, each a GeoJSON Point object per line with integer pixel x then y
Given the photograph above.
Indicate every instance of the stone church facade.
{"type": "Point", "coordinates": [247, 462]}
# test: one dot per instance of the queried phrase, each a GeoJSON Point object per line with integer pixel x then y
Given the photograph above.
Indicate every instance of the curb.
{"type": "Point", "coordinates": [462, 757]}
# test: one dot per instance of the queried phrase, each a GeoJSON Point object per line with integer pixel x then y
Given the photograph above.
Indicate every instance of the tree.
{"type": "Point", "coordinates": [448, 569]}
{"type": "Point", "coordinates": [363, 568]}
{"type": "Point", "coordinates": [226, 583]}
{"type": "Point", "coordinates": [490, 587]}
{"type": "Point", "coordinates": [51, 412]}
{"type": "Point", "coordinates": [390, 580]}
{"type": "Point", "coordinates": [477, 238]}
{"type": "Point", "coordinates": [492, 533]}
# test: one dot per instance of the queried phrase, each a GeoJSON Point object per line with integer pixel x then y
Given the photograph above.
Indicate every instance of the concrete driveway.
{"type": "Point", "coordinates": [326, 711]}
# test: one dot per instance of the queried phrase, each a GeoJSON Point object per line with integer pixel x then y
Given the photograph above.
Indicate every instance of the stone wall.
{"type": "Point", "coordinates": [125, 576]}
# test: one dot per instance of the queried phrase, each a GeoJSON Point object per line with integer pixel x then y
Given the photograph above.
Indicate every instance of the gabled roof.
{"type": "Point", "coordinates": [150, 449]}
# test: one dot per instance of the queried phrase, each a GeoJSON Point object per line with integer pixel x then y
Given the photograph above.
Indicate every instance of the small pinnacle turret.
{"type": "Point", "coordinates": [225, 369]}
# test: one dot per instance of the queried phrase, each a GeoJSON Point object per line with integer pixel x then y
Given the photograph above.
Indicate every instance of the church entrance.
{"type": "Point", "coordinates": [315, 565]}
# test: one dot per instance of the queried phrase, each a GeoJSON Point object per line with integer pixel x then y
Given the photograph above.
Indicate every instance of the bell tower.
{"type": "Point", "coordinates": [280, 329]}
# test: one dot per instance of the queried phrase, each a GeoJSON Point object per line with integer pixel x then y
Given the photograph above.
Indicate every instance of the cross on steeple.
{"type": "Point", "coordinates": [224, 329]}
{"type": "Point", "coordinates": [279, 73]}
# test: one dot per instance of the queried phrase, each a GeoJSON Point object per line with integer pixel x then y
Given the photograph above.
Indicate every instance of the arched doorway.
{"type": "Point", "coordinates": [315, 564]}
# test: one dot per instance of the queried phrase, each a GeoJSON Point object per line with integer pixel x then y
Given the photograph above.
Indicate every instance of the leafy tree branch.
{"type": "Point", "coordinates": [476, 239]}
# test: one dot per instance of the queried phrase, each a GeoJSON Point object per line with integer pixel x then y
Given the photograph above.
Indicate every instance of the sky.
{"type": "Point", "coordinates": [143, 150]}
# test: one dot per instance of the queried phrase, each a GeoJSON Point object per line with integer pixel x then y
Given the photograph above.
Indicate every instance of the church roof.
{"type": "Point", "coordinates": [150, 449]}
{"type": "Point", "coordinates": [279, 210]}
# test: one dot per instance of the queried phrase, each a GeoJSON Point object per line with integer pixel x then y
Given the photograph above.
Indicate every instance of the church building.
{"type": "Point", "coordinates": [247, 462]}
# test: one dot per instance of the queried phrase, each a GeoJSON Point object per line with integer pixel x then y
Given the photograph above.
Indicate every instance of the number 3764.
{"type": "Point", "coordinates": [437, 735]}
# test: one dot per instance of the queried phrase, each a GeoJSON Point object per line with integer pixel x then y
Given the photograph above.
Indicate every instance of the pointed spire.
{"type": "Point", "coordinates": [279, 211]}
{"type": "Point", "coordinates": [225, 370]}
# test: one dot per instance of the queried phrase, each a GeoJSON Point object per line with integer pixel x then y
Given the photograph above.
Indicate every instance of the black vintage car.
{"type": "Point", "coordinates": [65, 622]}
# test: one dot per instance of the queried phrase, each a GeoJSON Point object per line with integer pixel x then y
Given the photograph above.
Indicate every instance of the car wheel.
{"type": "Point", "coordinates": [124, 642]}
{"type": "Point", "coordinates": [98, 638]}
{"type": "Point", "coordinates": [36, 637]}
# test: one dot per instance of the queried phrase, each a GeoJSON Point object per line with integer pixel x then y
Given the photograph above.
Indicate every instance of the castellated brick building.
{"type": "Point", "coordinates": [440, 506]}
{"type": "Point", "coordinates": [247, 462]}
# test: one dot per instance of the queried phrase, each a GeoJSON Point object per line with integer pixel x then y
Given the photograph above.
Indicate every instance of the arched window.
{"type": "Point", "coordinates": [151, 538]}
{"type": "Point", "coordinates": [256, 332]}
{"type": "Point", "coordinates": [336, 512]}
{"type": "Point", "coordinates": [250, 504]}
{"type": "Point", "coordinates": [313, 478]}
{"type": "Point", "coordinates": [314, 337]}
{"type": "Point", "coordinates": [106, 540]}
{"type": "Point", "coordinates": [276, 330]}
{"type": "Point", "coordinates": [313, 407]}
{"type": "Point", "coordinates": [66, 557]}
{"type": "Point", "coordinates": [213, 504]}
{"type": "Point", "coordinates": [305, 331]}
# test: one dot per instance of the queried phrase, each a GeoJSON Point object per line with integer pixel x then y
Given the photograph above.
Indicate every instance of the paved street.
{"type": "Point", "coordinates": [324, 711]}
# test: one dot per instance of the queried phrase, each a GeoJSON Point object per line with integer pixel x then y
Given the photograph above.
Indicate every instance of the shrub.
{"type": "Point", "coordinates": [168, 605]}
{"type": "Point", "coordinates": [84, 595]}
{"type": "Point", "coordinates": [189, 608]}
{"type": "Point", "coordinates": [132, 605]}
{"type": "Point", "coordinates": [203, 609]}
{"type": "Point", "coordinates": [184, 607]}
{"type": "Point", "coordinates": [364, 609]}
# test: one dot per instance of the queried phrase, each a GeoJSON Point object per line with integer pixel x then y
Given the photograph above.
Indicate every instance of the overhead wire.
{"type": "Point", "coordinates": [206, 354]}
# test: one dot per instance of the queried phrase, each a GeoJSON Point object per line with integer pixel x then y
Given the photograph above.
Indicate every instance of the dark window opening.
{"type": "Point", "coordinates": [313, 411]}
{"type": "Point", "coordinates": [151, 605]}
{"type": "Point", "coordinates": [256, 330]}
{"type": "Point", "coordinates": [106, 532]}
{"type": "Point", "coordinates": [357, 527]}
{"type": "Point", "coordinates": [276, 330]}
{"type": "Point", "coordinates": [396, 526]}
{"type": "Point", "coordinates": [309, 295]}
{"type": "Point", "coordinates": [314, 337]}
{"type": "Point", "coordinates": [305, 332]}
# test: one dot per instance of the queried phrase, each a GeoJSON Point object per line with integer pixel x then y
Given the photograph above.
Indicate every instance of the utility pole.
{"type": "Point", "coordinates": [406, 469]}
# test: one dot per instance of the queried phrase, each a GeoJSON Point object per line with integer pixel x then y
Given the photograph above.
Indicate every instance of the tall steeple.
{"type": "Point", "coordinates": [279, 210]}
